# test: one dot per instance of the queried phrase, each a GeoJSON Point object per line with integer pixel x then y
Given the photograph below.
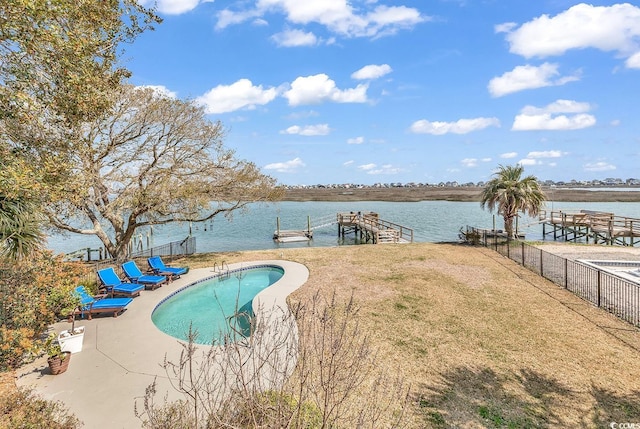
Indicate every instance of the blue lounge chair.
{"type": "Point", "coordinates": [157, 266]}
{"type": "Point", "coordinates": [134, 275]}
{"type": "Point", "coordinates": [116, 287]}
{"type": "Point", "coordinates": [90, 305]}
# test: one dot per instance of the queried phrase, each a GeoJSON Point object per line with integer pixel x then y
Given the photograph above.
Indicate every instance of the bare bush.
{"type": "Point", "coordinates": [311, 367]}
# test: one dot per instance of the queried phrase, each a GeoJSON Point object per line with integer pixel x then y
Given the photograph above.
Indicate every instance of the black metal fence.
{"type": "Point", "coordinates": [608, 291]}
{"type": "Point", "coordinates": [175, 248]}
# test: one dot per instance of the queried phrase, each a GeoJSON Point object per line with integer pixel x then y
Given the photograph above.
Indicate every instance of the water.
{"type": "Point", "coordinates": [206, 306]}
{"type": "Point", "coordinates": [432, 221]}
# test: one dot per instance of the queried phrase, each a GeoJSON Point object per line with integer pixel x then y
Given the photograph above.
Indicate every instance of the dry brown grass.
{"type": "Point", "coordinates": [483, 341]}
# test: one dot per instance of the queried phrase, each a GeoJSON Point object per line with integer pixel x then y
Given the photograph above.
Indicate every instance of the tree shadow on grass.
{"type": "Point", "coordinates": [471, 397]}
{"type": "Point", "coordinates": [612, 407]}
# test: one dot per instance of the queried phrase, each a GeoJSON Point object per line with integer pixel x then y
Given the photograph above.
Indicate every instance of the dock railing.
{"type": "Point", "coordinates": [605, 290]}
{"type": "Point", "coordinates": [601, 227]}
{"type": "Point", "coordinates": [380, 227]}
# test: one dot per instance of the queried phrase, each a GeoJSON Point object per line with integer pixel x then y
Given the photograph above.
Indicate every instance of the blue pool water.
{"type": "Point", "coordinates": [216, 308]}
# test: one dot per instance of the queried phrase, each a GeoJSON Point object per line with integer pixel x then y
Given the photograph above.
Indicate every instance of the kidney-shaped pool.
{"type": "Point", "coordinates": [217, 308]}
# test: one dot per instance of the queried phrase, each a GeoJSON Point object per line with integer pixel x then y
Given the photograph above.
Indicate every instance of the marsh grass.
{"type": "Point", "coordinates": [482, 341]}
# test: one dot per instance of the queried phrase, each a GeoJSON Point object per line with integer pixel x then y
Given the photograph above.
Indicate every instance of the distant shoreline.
{"type": "Point", "coordinates": [460, 194]}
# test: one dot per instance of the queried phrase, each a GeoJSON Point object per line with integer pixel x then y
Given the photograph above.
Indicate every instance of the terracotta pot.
{"type": "Point", "coordinates": [59, 364]}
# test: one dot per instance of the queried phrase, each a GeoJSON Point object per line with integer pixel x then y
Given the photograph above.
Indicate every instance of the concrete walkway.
{"type": "Point", "coordinates": [122, 356]}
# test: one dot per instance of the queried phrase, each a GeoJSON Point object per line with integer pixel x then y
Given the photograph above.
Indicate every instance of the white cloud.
{"type": "Point", "coordinates": [308, 130]}
{"type": "Point", "coordinates": [348, 163]}
{"type": "Point", "coordinates": [536, 157]}
{"type": "Point", "coordinates": [356, 140]}
{"type": "Point", "coordinates": [633, 62]}
{"type": "Point", "coordinates": [614, 28]}
{"type": "Point", "coordinates": [319, 88]}
{"type": "Point", "coordinates": [505, 27]}
{"type": "Point", "coordinates": [462, 126]}
{"type": "Point", "coordinates": [338, 16]}
{"type": "Point", "coordinates": [528, 162]}
{"type": "Point", "coordinates": [172, 7]}
{"type": "Point", "coordinates": [555, 123]}
{"type": "Point", "coordinates": [291, 38]}
{"type": "Point", "coordinates": [240, 95]}
{"type": "Point", "coordinates": [558, 106]}
{"type": "Point", "coordinates": [469, 162]}
{"type": "Point", "coordinates": [374, 169]}
{"type": "Point", "coordinates": [367, 167]}
{"type": "Point", "coordinates": [302, 115]}
{"type": "Point", "coordinates": [371, 71]}
{"type": "Point", "coordinates": [384, 20]}
{"type": "Point", "coordinates": [528, 77]}
{"type": "Point", "coordinates": [599, 166]}
{"type": "Point", "coordinates": [546, 154]}
{"type": "Point", "coordinates": [160, 90]}
{"type": "Point", "coordinates": [550, 117]}
{"type": "Point", "coordinates": [227, 17]}
{"type": "Point", "coordinates": [286, 167]}
{"type": "Point", "coordinates": [509, 155]}
{"type": "Point", "coordinates": [259, 22]}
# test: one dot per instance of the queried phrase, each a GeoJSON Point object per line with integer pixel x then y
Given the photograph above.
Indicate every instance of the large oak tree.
{"type": "Point", "coordinates": [149, 160]}
{"type": "Point", "coordinates": [58, 68]}
{"type": "Point", "coordinates": [59, 58]}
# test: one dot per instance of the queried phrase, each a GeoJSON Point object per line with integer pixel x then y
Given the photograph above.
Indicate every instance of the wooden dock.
{"type": "Point", "coordinates": [601, 227]}
{"type": "Point", "coordinates": [292, 235]}
{"type": "Point", "coordinates": [372, 229]}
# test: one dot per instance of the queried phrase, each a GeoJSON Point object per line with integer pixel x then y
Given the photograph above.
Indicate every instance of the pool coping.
{"type": "Point", "coordinates": [122, 356]}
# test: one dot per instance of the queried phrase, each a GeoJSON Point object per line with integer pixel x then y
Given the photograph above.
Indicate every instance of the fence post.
{"type": "Point", "coordinates": [541, 267]}
{"type": "Point", "coordinates": [599, 272]}
{"type": "Point", "coordinates": [508, 249]}
{"type": "Point", "coordinates": [566, 274]}
{"type": "Point", "coordinates": [522, 247]}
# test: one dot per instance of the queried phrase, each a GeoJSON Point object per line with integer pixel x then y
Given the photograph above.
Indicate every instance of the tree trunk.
{"type": "Point", "coordinates": [508, 227]}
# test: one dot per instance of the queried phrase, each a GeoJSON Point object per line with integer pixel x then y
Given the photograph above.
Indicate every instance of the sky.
{"type": "Point", "coordinates": [399, 91]}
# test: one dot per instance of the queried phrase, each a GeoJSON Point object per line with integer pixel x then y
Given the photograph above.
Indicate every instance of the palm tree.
{"type": "Point", "coordinates": [20, 228]}
{"type": "Point", "coordinates": [509, 193]}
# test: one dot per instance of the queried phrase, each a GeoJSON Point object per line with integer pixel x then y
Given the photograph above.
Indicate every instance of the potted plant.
{"type": "Point", "coordinates": [71, 339]}
{"type": "Point", "coordinates": [58, 360]}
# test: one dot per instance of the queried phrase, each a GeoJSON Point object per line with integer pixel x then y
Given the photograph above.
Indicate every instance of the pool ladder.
{"type": "Point", "coordinates": [242, 337]}
{"type": "Point", "coordinates": [220, 269]}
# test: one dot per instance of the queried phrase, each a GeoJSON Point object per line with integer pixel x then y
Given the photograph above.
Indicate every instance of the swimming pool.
{"type": "Point", "coordinates": [217, 307]}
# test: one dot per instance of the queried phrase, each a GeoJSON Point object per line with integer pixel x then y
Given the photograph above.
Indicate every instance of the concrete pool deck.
{"type": "Point", "coordinates": [122, 356]}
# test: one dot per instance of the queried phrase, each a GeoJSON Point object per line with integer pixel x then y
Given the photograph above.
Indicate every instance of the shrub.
{"type": "Point", "coordinates": [274, 409]}
{"type": "Point", "coordinates": [21, 408]}
{"type": "Point", "coordinates": [33, 294]}
{"type": "Point", "coordinates": [306, 369]}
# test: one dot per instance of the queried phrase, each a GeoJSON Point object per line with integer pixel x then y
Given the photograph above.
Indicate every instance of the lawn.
{"type": "Point", "coordinates": [482, 341]}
